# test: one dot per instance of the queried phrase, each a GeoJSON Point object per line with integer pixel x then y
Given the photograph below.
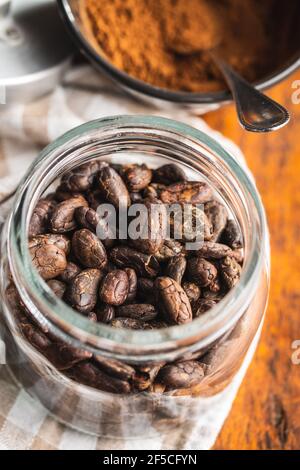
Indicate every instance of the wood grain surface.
{"type": "Point", "coordinates": [266, 412]}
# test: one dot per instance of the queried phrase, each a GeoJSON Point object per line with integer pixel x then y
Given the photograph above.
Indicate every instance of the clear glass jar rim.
{"type": "Point", "coordinates": [104, 336]}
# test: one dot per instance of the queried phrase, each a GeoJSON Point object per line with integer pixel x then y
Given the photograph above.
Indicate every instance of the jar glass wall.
{"type": "Point", "coordinates": [220, 338]}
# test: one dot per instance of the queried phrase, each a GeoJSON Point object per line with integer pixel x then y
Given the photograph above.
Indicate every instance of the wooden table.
{"type": "Point", "coordinates": [266, 413]}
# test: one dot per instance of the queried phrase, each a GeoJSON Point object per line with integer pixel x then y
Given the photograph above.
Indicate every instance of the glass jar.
{"type": "Point", "coordinates": [221, 337]}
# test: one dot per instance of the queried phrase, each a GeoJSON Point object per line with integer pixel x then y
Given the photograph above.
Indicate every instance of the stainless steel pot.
{"type": "Point", "coordinates": [34, 49]}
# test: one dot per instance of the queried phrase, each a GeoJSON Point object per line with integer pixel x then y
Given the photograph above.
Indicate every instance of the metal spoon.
{"type": "Point", "coordinates": [256, 111]}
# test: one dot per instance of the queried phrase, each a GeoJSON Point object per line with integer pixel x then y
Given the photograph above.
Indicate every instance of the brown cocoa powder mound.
{"type": "Point", "coordinates": [152, 39]}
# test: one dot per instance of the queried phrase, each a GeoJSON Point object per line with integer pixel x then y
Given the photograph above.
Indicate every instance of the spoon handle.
{"type": "Point", "coordinates": [256, 111]}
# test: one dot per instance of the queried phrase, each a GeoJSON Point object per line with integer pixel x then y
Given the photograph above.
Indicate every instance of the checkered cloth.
{"type": "Point", "coordinates": [24, 130]}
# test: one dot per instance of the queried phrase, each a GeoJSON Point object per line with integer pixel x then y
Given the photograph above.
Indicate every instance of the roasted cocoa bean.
{"type": "Point", "coordinates": [95, 198]}
{"type": "Point", "coordinates": [136, 284]}
{"type": "Point", "coordinates": [83, 289]}
{"type": "Point", "coordinates": [132, 279]}
{"type": "Point", "coordinates": [136, 198]}
{"type": "Point", "coordinates": [105, 313]}
{"type": "Point", "coordinates": [82, 177]}
{"type": "Point", "coordinates": [145, 288]}
{"type": "Point", "coordinates": [152, 192]}
{"type": "Point", "coordinates": [192, 291]}
{"type": "Point", "coordinates": [137, 177]}
{"type": "Point", "coordinates": [213, 250]}
{"type": "Point", "coordinates": [201, 271]}
{"type": "Point", "coordinates": [176, 268]}
{"type": "Point", "coordinates": [217, 215]}
{"type": "Point", "coordinates": [213, 290]}
{"type": "Point", "coordinates": [64, 357]}
{"type": "Point", "coordinates": [153, 226]}
{"type": "Point", "coordinates": [230, 271]}
{"type": "Point", "coordinates": [231, 235]}
{"type": "Point", "coordinates": [39, 222]}
{"type": "Point", "coordinates": [60, 241]}
{"type": "Point", "coordinates": [155, 324]}
{"type": "Point", "coordinates": [192, 192]}
{"type": "Point", "coordinates": [115, 368]}
{"type": "Point", "coordinates": [35, 336]}
{"type": "Point", "coordinates": [145, 375]}
{"type": "Point", "coordinates": [70, 272]}
{"type": "Point", "coordinates": [92, 316]}
{"type": "Point", "coordinates": [144, 312]}
{"type": "Point", "coordinates": [58, 287]}
{"type": "Point", "coordinates": [169, 173]}
{"type": "Point", "coordinates": [189, 223]}
{"type": "Point", "coordinates": [157, 387]}
{"type": "Point", "coordinates": [169, 249]}
{"type": "Point", "coordinates": [49, 260]}
{"type": "Point", "coordinates": [62, 219]}
{"type": "Point", "coordinates": [182, 375]}
{"type": "Point", "coordinates": [238, 255]}
{"type": "Point", "coordinates": [113, 188]}
{"type": "Point", "coordinates": [89, 374]}
{"type": "Point", "coordinates": [202, 306]}
{"type": "Point", "coordinates": [60, 355]}
{"type": "Point", "coordinates": [88, 249]}
{"type": "Point", "coordinates": [87, 218]}
{"type": "Point", "coordinates": [173, 301]}
{"type": "Point", "coordinates": [129, 323]}
{"type": "Point", "coordinates": [90, 219]}
{"type": "Point", "coordinates": [114, 288]}
{"type": "Point", "coordinates": [125, 257]}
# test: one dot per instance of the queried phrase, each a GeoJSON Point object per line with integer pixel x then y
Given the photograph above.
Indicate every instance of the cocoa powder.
{"type": "Point", "coordinates": [167, 42]}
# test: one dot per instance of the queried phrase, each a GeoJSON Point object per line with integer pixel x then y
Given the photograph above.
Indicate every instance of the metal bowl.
{"type": "Point", "coordinates": [71, 13]}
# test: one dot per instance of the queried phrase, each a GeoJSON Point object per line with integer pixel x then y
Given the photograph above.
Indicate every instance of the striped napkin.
{"type": "Point", "coordinates": [24, 130]}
